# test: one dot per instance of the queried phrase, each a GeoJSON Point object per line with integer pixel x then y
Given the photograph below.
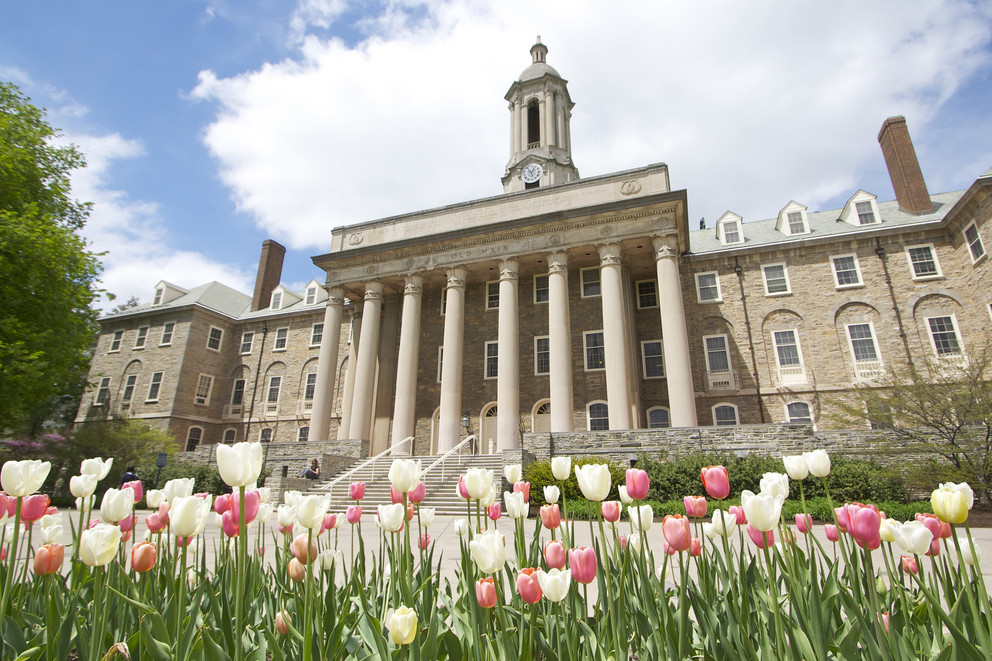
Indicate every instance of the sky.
{"type": "Point", "coordinates": [212, 125]}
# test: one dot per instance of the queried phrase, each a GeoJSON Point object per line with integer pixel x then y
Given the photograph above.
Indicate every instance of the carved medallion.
{"type": "Point", "coordinates": [356, 238]}
{"type": "Point", "coordinates": [630, 187]}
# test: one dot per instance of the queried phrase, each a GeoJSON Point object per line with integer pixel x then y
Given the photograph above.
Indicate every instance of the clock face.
{"type": "Point", "coordinates": [532, 173]}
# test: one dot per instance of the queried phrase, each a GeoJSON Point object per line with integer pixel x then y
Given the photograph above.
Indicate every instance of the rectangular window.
{"type": "Point", "coordinates": [846, 271]}
{"type": "Point", "coordinates": [923, 262]}
{"type": "Point", "coordinates": [272, 396]}
{"type": "Point", "coordinates": [303, 434]}
{"type": "Point", "coordinates": [310, 387]}
{"type": "Point", "coordinates": [282, 338]}
{"type": "Point", "coordinates": [167, 330]}
{"type": "Point", "coordinates": [316, 335]}
{"type": "Point", "coordinates": [214, 338]}
{"type": "Point", "coordinates": [246, 341]}
{"type": "Point", "coordinates": [542, 355]}
{"type": "Point", "coordinates": [154, 387]}
{"type": "Point", "coordinates": [796, 224]}
{"type": "Point", "coordinates": [798, 412]}
{"type": "Point", "coordinates": [647, 294]}
{"type": "Point", "coordinates": [440, 362]}
{"type": "Point", "coordinates": [974, 241]}
{"type": "Point", "coordinates": [265, 435]}
{"type": "Point", "coordinates": [159, 294]}
{"type": "Point", "coordinates": [787, 348]}
{"type": "Point", "coordinates": [139, 340]}
{"type": "Point", "coordinates": [590, 282]}
{"type": "Point", "coordinates": [776, 279]}
{"type": "Point", "coordinates": [444, 301]}
{"type": "Point", "coordinates": [595, 351]}
{"type": "Point", "coordinates": [862, 342]}
{"type": "Point", "coordinates": [115, 344]}
{"type": "Point", "coordinates": [103, 392]}
{"type": "Point", "coordinates": [708, 287]}
{"type": "Point", "coordinates": [311, 295]}
{"type": "Point", "coordinates": [652, 359]}
{"type": "Point", "coordinates": [276, 301]}
{"type": "Point", "coordinates": [866, 215]}
{"type": "Point", "coordinates": [599, 416]}
{"type": "Point", "coordinates": [542, 292]}
{"type": "Point", "coordinates": [717, 357]}
{"type": "Point", "coordinates": [238, 393]}
{"type": "Point", "coordinates": [204, 384]}
{"type": "Point", "coordinates": [492, 295]}
{"type": "Point", "coordinates": [944, 335]}
{"type": "Point", "coordinates": [128, 393]}
{"type": "Point", "coordinates": [492, 360]}
{"type": "Point", "coordinates": [725, 415]}
{"type": "Point", "coordinates": [731, 232]}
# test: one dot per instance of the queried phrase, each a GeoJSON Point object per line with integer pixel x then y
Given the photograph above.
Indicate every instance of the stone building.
{"type": "Point", "coordinates": [563, 304]}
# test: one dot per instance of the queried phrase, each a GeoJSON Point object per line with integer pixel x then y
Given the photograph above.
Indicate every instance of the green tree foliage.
{"type": "Point", "coordinates": [47, 276]}
{"type": "Point", "coordinates": [539, 475]}
{"type": "Point", "coordinates": [129, 442]}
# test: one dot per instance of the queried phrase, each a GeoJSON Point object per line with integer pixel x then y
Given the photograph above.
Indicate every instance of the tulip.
{"type": "Point", "coordinates": [582, 562]}
{"type": "Point", "coordinates": [426, 516]}
{"type": "Point", "coordinates": [82, 486]}
{"type": "Point", "coordinates": [98, 545]}
{"type": "Point", "coordinates": [52, 534]}
{"type": "Point", "coordinates": [222, 503]}
{"type": "Point", "coordinates": [641, 518]}
{"type": "Point", "coordinates": [395, 495]}
{"type": "Point", "coordinates": [403, 625]}
{"type": "Point", "coordinates": [624, 496]}
{"type": "Point", "coordinates": [291, 498]}
{"type": "Point", "coordinates": [723, 523]}
{"type": "Point", "coordinates": [695, 506]}
{"type": "Point", "coordinates": [950, 504]}
{"type": "Point", "coordinates": [488, 551]}
{"type": "Point", "coordinates": [840, 513]}
{"type": "Point", "coordinates": [391, 516]}
{"type": "Point", "coordinates": [554, 554]}
{"type": "Point", "coordinates": [328, 558]}
{"type": "Point", "coordinates": [239, 464]}
{"type": "Point", "coordinates": [96, 466]}
{"type": "Point", "coordinates": [425, 541]}
{"type": "Point", "coordinates": [353, 513]}
{"type": "Point", "coordinates": [478, 482]}
{"type": "Point", "coordinates": [623, 542]}
{"type": "Point", "coordinates": [126, 524]}
{"type": "Point", "coordinates": [485, 592]}
{"type": "Point", "coordinates": [298, 547]}
{"type": "Point", "coordinates": [796, 467]}
{"type": "Point", "coordinates": [550, 516]}
{"type": "Point", "coordinates": [357, 490]}
{"type": "Point", "coordinates": [229, 525]}
{"type": "Point", "coordinates": [804, 523]}
{"type": "Point", "coordinates": [524, 488]}
{"type": "Point", "coordinates": [967, 556]}
{"type": "Point", "coordinates": [914, 537]}
{"type": "Point", "coordinates": [137, 488]}
{"type": "Point", "coordinates": [311, 509]}
{"type": "Point", "coordinates": [23, 478]}
{"type": "Point", "coordinates": [594, 482]}
{"type": "Point", "coordinates": [154, 498]}
{"type": "Point", "coordinates": [675, 528]}
{"type": "Point", "coordinates": [716, 481]}
{"type": "Point", "coordinates": [143, 557]}
{"type": "Point", "coordinates": [188, 515]}
{"type": "Point", "coordinates": [738, 513]}
{"type": "Point", "coordinates": [282, 622]}
{"type": "Point", "coordinates": [295, 570]}
{"type": "Point", "coordinates": [265, 512]}
{"type": "Point", "coordinates": [116, 505]}
{"type": "Point", "coordinates": [551, 494]}
{"type": "Point", "coordinates": [909, 564]}
{"type": "Point", "coordinates": [48, 559]}
{"type": "Point", "coordinates": [776, 484]}
{"type": "Point", "coordinates": [831, 532]}
{"type": "Point", "coordinates": [610, 510]}
{"type": "Point", "coordinates": [34, 507]}
{"type": "Point", "coordinates": [253, 501]}
{"type": "Point", "coordinates": [931, 522]}
{"type": "Point", "coordinates": [763, 510]}
{"type": "Point", "coordinates": [461, 489]}
{"type": "Point", "coordinates": [404, 474]}
{"type": "Point", "coordinates": [561, 468]}
{"type": "Point", "coordinates": [513, 473]}
{"type": "Point", "coordinates": [516, 507]}
{"type": "Point", "coordinates": [461, 527]}
{"type": "Point", "coordinates": [934, 549]}
{"type": "Point", "coordinates": [696, 547]}
{"type": "Point", "coordinates": [887, 531]}
{"type": "Point", "coordinates": [864, 523]}
{"type": "Point", "coordinates": [761, 539]}
{"type": "Point", "coordinates": [495, 511]}
{"type": "Point", "coordinates": [417, 495]}
{"type": "Point", "coordinates": [638, 483]}
{"type": "Point", "coordinates": [178, 488]}
{"type": "Point", "coordinates": [529, 585]}
{"type": "Point", "coordinates": [818, 462]}
{"type": "Point", "coordinates": [554, 583]}
{"type": "Point", "coordinates": [154, 523]}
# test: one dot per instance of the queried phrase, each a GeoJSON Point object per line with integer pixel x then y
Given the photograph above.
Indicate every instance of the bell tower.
{"type": "Point", "coordinates": [540, 138]}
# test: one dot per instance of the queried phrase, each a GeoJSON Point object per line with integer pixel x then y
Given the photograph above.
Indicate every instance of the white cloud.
{"type": "Point", "coordinates": [751, 104]}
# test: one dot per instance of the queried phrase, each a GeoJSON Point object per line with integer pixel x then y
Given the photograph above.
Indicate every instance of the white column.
{"type": "Point", "coordinates": [614, 337]}
{"type": "Point", "coordinates": [514, 127]}
{"type": "Point", "coordinates": [542, 122]}
{"type": "Point", "coordinates": [405, 406]}
{"type": "Point", "coordinates": [451, 368]}
{"type": "Point", "coordinates": [675, 337]}
{"type": "Point", "coordinates": [523, 114]}
{"type": "Point", "coordinates": [549, 117]}
{"type": "Point", "coordinates": [560, 343]}
{"type": "Point", "coordinates": [508, 360]}
{"type": "Point", "coordinates": [327, 366]}
{"type": "Point", "coordinates": [348, 392]}
{"type": "Point", "coordinates": [361, 408]}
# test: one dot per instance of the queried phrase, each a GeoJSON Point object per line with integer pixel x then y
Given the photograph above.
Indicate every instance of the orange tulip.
{"type": "Point", "coordinates": [143, 557]}
{"type": "Point", "coordinates": [48, 559]}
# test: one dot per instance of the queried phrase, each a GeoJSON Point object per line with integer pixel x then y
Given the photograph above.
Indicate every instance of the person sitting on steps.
{"type": "Point", "coordinates": [311, 473]}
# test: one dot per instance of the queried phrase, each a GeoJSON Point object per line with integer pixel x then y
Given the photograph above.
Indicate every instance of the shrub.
{"type": "Point", "coordinates": [539, 475]}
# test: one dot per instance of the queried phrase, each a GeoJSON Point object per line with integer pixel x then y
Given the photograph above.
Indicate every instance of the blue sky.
{"type": "Point", "coordinates": [211, 125]}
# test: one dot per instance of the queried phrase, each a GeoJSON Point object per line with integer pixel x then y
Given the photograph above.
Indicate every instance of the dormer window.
{"type": "Point", "coordinates": [276, 301]}
{"type": "Point", "coordinates": [728, 229]}
{"type": "Point", "coordinates": [792, 219]}
{"type": "Point", "coordinates": [159, 294]}
{"type": "Point", "coordinates": [311, 294]}
{"type": "Point", "coordinates": [861, 210]}
{"type": "Point", "coordinates": [866, 213]}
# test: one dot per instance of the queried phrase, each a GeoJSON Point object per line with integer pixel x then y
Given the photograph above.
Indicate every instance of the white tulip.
{"type": "Point", "coordinates": [98, 545]}
{"type": "Point", "coordinates": [188, 515]}
{"type": "Point", "coordinates": [913, 537]}
{"type": "Point", "coordinates": [561, 468]}
{"type": "Point", "coordinates": [96, 466]}
{"type": "Point", "coordinates": [239, 464]}
{"type": "Point", "coordinates": [624, 496]}
{"type": "Point", "coordinates": [515, 506]}
{"type": "Point", "coordinates": [286, 515]}
{"type": "Point", "coordinates": [51, 534]}
{"type": "Point", "coordinates": [488, 551]}
{"type": "Point", "coordinates": [154, 498]}
{"type": "Point", "coordinates": [887, 531]}
{"type": "Point", "coordinates": [264, 513]}
{"type": "Point", "coordinates": [328, 558]}
{"type": "Point", "coordinates": [82, 486]}
{"type": "Point", "coordinates": [513, 473]}
{"type": "Point", "coordinates": [723, 523]}
{"type": "Point", "coordinates": [23, 478]}
{"type": "Point", "coordinates": [775, 484]}
{"type": "Point", "coordinates": [967, 557]}
{"type": "Point", "coordinates": [478, 482]}
{"type": "Point", "coordinates": [404, 474]}
{"type": "Point", "coordinates": [179, 488]}
{"type": "Point", "coordinates": [641, 518]}
{"type": "Point", "coordinates": [461, 527]}
{"type": "Point", "coordinates": [551, 494]}
{"type": "Point", "coordinates": [117, 504]}
{"type": "Point", "coordinates": [796, 466]}
{"type": "Point", "coordinates": [818, 462]}
{"type": "Point", "coordinates": [709, 531]}
{"type": "Point", "coordinates": [391, 517]}
{"type": "Point", "coordinates": [634, 542]}
{"type": "Point", "coordinates": [85, 504]}
{"type": "Point", "coordinates": [964, 489]}
{"type": "Point", "coordinates": [594, 481]}
{"type": "Point", "coordinates": [762, 510]}
{"type": "Point", "coordinates": [311, 509]}
{"type": "Point", "coordinates": [489, 498]}
{"type": "Point", "coordinates": [291, 497]}
{"type": "Point", "coordinates": [426, 516]}
{"type": "Point", "coordinates": [264, 494]}
{"type": "Point", "coordinates": [554, 583]}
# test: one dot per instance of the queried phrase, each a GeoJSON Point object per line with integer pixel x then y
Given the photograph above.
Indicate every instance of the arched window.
{"type": "Point", "coordinates": [598, 414]}
{"type": "Point", "coordinates": [230, 435]}
{"type": "Point", "coordinates": [193, 438]}
{"type": "Point", "coordinates": [265, 435]}
{"type": "Point", "coordinates": [533, 125]}
{"type": "Point", "coordinates": [487, 429]}
{"type": "Point", "coordinates": [541, 418]}
{"type": "Point", "coordinates": [659, 418]}
{"type": "Point", "coordinates": [798, 412]}
{"type": "Point", "coordinates": [725, 414]}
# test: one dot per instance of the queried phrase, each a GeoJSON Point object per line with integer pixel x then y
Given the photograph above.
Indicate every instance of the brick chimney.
{"type": "Point", "coordinates": [904, 169]}
{"type": "Point", "coordinates": [269, 273]}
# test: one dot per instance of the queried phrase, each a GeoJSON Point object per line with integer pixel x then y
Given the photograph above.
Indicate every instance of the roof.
{"type": "Point", "coordinates": [537, 70]}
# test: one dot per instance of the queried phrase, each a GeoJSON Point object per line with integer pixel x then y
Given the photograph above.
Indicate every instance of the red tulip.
{"type": "Point", "coordinates": [137, 488]}
{"type": "Point", "coordinates": [298, 547]}
{"type": "Point", "coordinates": [909, 564]}
{"type": "Point", "coordinates": [804, 523]}
{"type": "Point", "coordinates": [485, 592]}
{"type": "Point", "coordinates": [395, 496]}
{"type": "Point", "coordinates": [738, 511]}
{"type": "Point", "coordinates": [583, 562]}
{"type": "Point", "coordinates": [528, 586]}
{"type": "Point", "coordinates": [550, 516]}
{"type": "Point", "coordinates": [524, 488]}
{"type": "Point", "coordinates": [357, 490]}
{"type": "Point", "coordinates": [33, 507]}
{"type": "Point", "coordinates": [761, 539]}
{"type": "Point", "coordinates": [610, 510]}
{"type": "Point", "coordinates": [554, 555]}
{"type": "Point", "coordinates": [833, 534]}
{"type": "Point", "coordinates": [695, 506]}
{"type": "Point", "coordinates": [295, 570]}
{"type": "Point", "coordinates": [228, 524]}
{"type": "Point", "coordinates": [48, 559]}
{"type": "Point", "coordinates": [143, 557]}
{"type": "Point", "coordinates": [495, 511]}
{"type": "Point", "coordinates": [675, 527]}
{"type": "Point", "coordinates": [716, 481]}
{"type": "Point", "coordinates": [282, 622]}
{"type": "Point", "coordinates": [696, 547]}
{"type": "Point", "coordinates": [354, 513]}
{"type": "Point", "coordinates": [418, 494]}
{"type": "Point", "coordinates": [425, 541]}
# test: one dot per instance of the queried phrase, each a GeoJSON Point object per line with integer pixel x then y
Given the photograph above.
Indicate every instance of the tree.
{"type": "Point", "coordinates": [47, 275]}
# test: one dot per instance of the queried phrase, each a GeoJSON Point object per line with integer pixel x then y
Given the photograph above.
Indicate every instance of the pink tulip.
{"type": "Point", "coordinates": [462, 489]}
{"type": "Point", "coordinates": [125, 536]}
{"type": "Point", "coordinates": [610, 510]}
{"type": "Point", "coordinates": [667, 549]}
{"type": "Point", "coordinates": [410, 512]}
{"type": "Point", "coordinates": [137, 488]}
{"type": "Point", "coordinates": [252, 502]}
{"type": "Point", "coordinates": [3, 553]}
{"type": "Point", "coordinates": [637, 483]}
{"type": "Point", "coordinates": [909, 564]}
{"type": "Point", "coordinates": [696, 547]}
{"type": "Point", "coordinates": [7, 504]}
{"type": "Point", "coordinates": [282, 622]}
{"type": "Point", "coordinates": [33, 507]}
{"type": "Point", "coordinates": [222, 503]}
{"type": "Point", "coordinates": [716, 481]}
{"type": "Point", "coordinates": [695, 506]}
{"type": "Point", "coordinates": [583, 562]}
{"type": "Point", "coordinates": [934, 548]}
{"type": "Point", "coordinates": [48, 559]}
{"type": "Point", "coordinates": [761, 539]}
{"type": "Point", "coordinates": [550, 516]}
{"type": "Point", "coordinates": [485, 592]}
{"type": "Point", "coordinates": [528, 586]}
{"type": "Point", "coordinates": [675, 527]}
{"type": "Point", "coordinates": [942, 529]}
{"type": "Point", "coordinates": [418, 494]}
{"type": "Point", "coordinates": [126, 523]}
{"type": "Point", "coordinates": [93, 523]}
{"type": "Point", "coordinates": [395, 496]}
{"type": "Point", "coordinates": [285, 530]}
{"type": "Point", "coordinates": [143, 557]}
{"type": "Point", "coordinates": [554, 555]}
{"type": "Point", "coordinates": [357, 490]}
{"type": "Point", "coordinates": [298, 547]}
{"type": "Point", "coordinates": [495, 511]}
{"type": "Point", "coordinates": [54, 510]}
{"type": "Point", "coordinates": [425, 541]}
{"type": "Point", "coordinates": [228, 524]}
{"type": "Point", "coordinates": [864, 522]}
{"type": "Point", "coordinates": [154, 523]}
{"type": "Point", "coordinates": [183, 541]}
{"type": "Point", "coordinates": [804, 523]}
{"type": "Point", "coordinates": [163, 512]}
{"type": "Point", "coordinates": [354, 513]}
{"type": "Point", "coordinates": [833, 534]}
{"type": "Point", "coordinates": [329, 523]}
{"type": "Point", "coordinates": [885, 621]}
{"type": "Point", "coordinates": [738, 512]}
{"type": "Point", "coordinates": [841, 515]}
{"type": "Point", "coordinates": [296, 571]}
{"type": "Point", "coordinates": [623, 542]}
{"type": "Point", "coordinates": [524, 488]}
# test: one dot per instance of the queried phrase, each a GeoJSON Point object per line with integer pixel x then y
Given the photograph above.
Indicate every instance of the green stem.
{"type": "Point", "coordinates": [239, 576]}
{"type": "Point", "coordinates": [11, 560]}
{"type": "Point", "coordinates": [308, 603]}
{"type": "Point", "coordinates": [773, 592]}
{"type": "Point", "coordinates": [97, 603]}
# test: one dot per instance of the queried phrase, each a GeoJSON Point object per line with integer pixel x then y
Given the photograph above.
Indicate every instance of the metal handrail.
{"type": "Point", "coordinates": [444, 457]}
{"type": "Point", "coordinates": [330, 484]}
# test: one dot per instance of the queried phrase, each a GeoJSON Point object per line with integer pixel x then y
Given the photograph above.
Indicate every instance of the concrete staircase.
{"type": "Point", "coordinates": [440, 488]}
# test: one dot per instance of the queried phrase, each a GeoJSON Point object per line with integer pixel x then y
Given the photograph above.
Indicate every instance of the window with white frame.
{"type": "Point", "coordinates": [139, 339]}
{"type": "Point", "coordinates": [230, 435]}
{"type": "Point", "coordinates": [542, 291]}
{"type": "Point", "coordinates": [237, 396]}
{"type": "Point", "coordinates": [492, 295]}
{"type": "Point", "coordinates": [730, 232]}
{"type": "Point", "coordinates": [272, 392]}
{"type": "Point", "coordinates": [787, 348]}
{"type": "Point", "coordinates": [303, 435]}
{"type": "Point", "coordinates": [708, 287]}
{"type": "Point", "coordinates": [159, 295]}
{"type": "Point", "coordinates": [659, 418]}
{"type": "Point", "coordinates": [115, 343]}
{"type": "Point", "coordinates": [595, 350]}
{"type": "Point", "coordinates": [444, 301]}
{"type": "Point", "coordinates": [717, 356]}
{"type": "Point", "coordinates": [214, 338]}
{"type": "Point", "coordinates": [128, 392]}
{"type": "Point", "coordinates": [776, 279]}
{"type": "Point", "coordinates": [440, 362]}
{"type": "Point", "coordinates": [204, 384]}
{"type": "Point", "coordinates": [974, 241]}
{"type": "Point", "coordinates": [944, 336]}
{"type": "Point", "coordinates": [247, 338]}
{"type": "Point", "coordinates": [102, 392]}
{"type": "Point", "coordinates": [265, 435]}
{"type": "Point", "coordinates": [282, 339]}
{"type": "Point", "coordinates": [167, 331]}
{"type": "Point", "coordinates": [590, 282]}
{"type": "Point", "coordinates": [309, 387]}
{"type": "Point", "coordinates": [492, 360]}
{"type": "Point", "coordinates": [316, 335]}
{"type": "Point", "coordinates": [193, 438]}
{"type": "Point", "coordinates": [276, 301]}
{"type": "Point", "coordinates": [725, 415]}
{"type": "Point", "coordinates": [866, 213]}
{"type": "Point", "coordinates": [311, 295]}
{"type": "Point", "coordinates": [652, 359]}
{"type": "Point", "coordinates": [796, 221]}
{"type": "Point", "coordinates": [154, 387]}
{"type": "Point", "coordinates": [847, 272]}
{"type": "Point", "coordinates": [863, 345]}
{"type": "Point", "coordinates": [542, 355]}
{"type": "Point", "coordinates": [798, 412]}
{"type": "Point", "coordinates": [598, 415]}
{"type": "Point", "coordinates": [647, 294]}
{"type": "Point", "coordinates": [923, 262]}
